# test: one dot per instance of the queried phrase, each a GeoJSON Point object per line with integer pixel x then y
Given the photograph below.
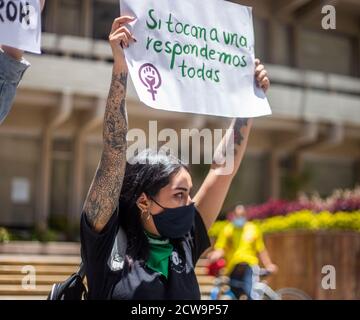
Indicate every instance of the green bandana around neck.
{"type": "Point", "coordinates": [160, 251]}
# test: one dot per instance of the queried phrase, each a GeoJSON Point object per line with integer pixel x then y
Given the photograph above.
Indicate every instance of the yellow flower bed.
{"type": "Point", "coordinates": [302, 220]}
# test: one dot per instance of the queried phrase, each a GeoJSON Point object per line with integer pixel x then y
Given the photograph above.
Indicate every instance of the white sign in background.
{"type": "Point", "coordinates": [195, 57]}
{"type": "Point", "coordinates": [20, 190]}
{"type": "Point", "coordinates": [20, 24]}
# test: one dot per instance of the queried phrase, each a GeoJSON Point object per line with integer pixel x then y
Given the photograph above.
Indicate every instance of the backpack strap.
{"type": "Point", "coordinates": [116, 259]}
{"type": "Point", "coordinates": [117, 256]}
{"type": "Point", "coordinates": [82, 272]}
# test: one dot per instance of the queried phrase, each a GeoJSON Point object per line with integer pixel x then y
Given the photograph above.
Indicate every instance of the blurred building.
{"type": "Point", "coordinates": [51, 142]}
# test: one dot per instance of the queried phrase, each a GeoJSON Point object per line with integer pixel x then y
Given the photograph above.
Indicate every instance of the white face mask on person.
{"type": "Point", "coordinates": [174, 222]}
{"type": "Point", "coordinates": [239, 222]}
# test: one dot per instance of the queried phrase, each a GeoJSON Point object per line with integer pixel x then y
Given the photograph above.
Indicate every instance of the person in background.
{"type": "Point", "coordinates": [13, 66]}
{"type": "Point", "coordinates": [241, 244]}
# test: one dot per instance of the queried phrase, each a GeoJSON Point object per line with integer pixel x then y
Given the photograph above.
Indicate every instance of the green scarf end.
{"type": "Point", "coordinates": [160, 251]}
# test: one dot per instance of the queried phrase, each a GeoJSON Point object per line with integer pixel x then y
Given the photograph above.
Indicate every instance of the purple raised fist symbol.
{"type": "Point", "coordinates": [150, 77]}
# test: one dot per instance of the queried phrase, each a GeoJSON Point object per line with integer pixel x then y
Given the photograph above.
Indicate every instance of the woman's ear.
{"type": "Point", "coordinates": [143, 202]}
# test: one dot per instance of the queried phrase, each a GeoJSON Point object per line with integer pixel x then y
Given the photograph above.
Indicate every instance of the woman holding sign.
{"type": "Point", "coordinates": [141, 232]}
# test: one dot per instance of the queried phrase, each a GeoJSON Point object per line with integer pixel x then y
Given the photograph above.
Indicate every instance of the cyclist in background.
{"type": "Point", "coordinates": [241, 244]}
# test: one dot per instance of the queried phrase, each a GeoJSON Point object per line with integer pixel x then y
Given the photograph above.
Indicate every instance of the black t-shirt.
{"type": "Point", "coordinates": [134, 280]}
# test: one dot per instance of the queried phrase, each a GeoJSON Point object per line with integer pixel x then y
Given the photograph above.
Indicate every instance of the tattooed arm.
{"type": "Point", "coordinates": [104, 191]}
{"type": "Point", "coordinates": [212, 193]}
{"type": "Point", "coordinates": [226, 162]}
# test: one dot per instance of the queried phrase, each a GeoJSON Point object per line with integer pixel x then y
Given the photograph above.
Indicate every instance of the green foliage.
{"type": "Point", "coordinates": [4, 235]}
{"type": "Point", "coordinates": [45, 236]}
{"type": "Point", "coordinates": [293, 183]}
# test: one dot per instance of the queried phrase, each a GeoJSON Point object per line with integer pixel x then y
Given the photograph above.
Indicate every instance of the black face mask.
{"type": "Point", "coordinates": [174, 222]}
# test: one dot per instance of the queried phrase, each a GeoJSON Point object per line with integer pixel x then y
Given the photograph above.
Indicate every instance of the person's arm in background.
{"type": "Point", "coordinates": [266, 261]}
{"type": "Point", "coordinates": [220, 245]}
{"type": "Point", "coordinates": [13, 67]}
{"type": "Point", "coordinates": [14, 53]}
{"type": "Point", "coordinates": [264, 254]}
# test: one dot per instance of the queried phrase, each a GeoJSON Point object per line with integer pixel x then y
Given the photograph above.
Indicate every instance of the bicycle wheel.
{"type": "Point", "coordinates": [292, 294]}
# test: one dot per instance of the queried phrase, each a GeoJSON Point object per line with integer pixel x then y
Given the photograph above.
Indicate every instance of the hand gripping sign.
{"type": "Point", "coordinates": [193, 56]}
{"type": "Point", "coordinates": [20, 24]}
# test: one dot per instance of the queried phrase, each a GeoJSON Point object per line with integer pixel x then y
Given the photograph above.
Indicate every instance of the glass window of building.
{"type": "Point", "coordinates": [68, 20]}
{"type": "Point", "coordinates": [317, 52]}
{"type": "Point", "coordinates": [260, 30]}
{"type": "Point", "coordinates": [104, 12]}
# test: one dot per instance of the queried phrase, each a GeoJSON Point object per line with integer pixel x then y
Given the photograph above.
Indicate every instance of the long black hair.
{"type": "Point", "coordinates": [147, 172]}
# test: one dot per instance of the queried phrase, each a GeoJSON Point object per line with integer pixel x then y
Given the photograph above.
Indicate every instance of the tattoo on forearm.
{"type": "Point", "coordinates": [224, 147]}
{"type": "Point", "coordinates": [115, 119]}
{"type": "Point", "coordinates": [105, 189]}
{"type": "Point", "coordinates": [239, 123]}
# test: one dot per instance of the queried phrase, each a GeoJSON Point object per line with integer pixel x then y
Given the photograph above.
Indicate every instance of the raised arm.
{"type": "Point", "coordinates": [212, 193]}
{"type": "Point", "coordinates": [105, 188]}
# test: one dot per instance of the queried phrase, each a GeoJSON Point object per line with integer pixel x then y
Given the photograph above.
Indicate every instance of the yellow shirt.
{"type": "Point", "coordinates": [241, 245]}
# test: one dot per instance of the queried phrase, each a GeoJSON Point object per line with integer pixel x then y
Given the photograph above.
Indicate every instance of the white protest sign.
{"type": "Point", "coordinates": [193, 56]}
{"type": "Point", "coordinates": [20, 24]}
